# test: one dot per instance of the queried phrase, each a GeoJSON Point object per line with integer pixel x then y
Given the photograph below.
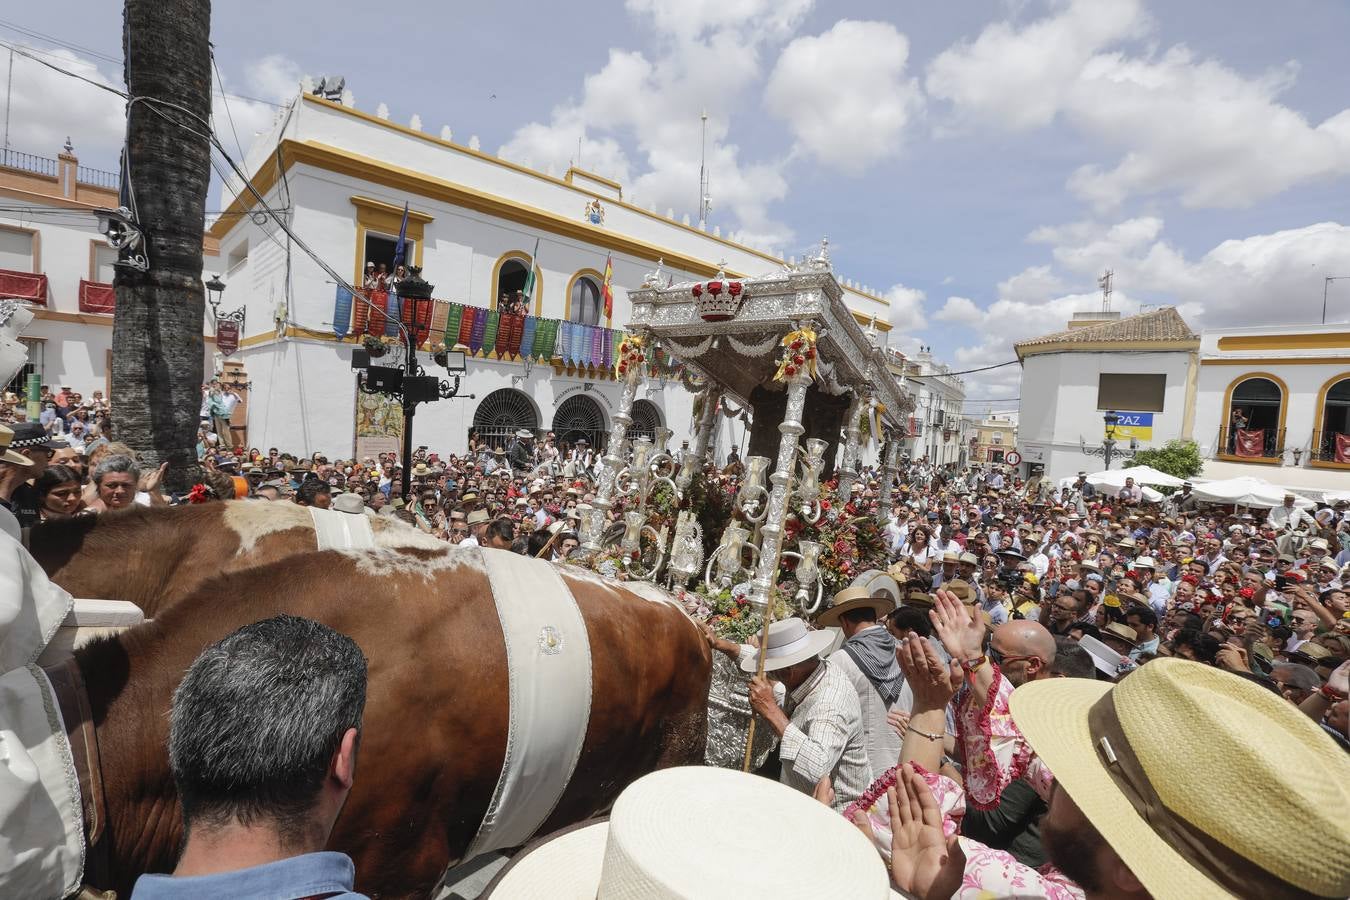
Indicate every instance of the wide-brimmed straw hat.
{"type": "Point", "coordinates": [789, 643]}
{"type": "Point", "coordinates": [1114, 750]}
{"type": "Point", "coordinates": [851, 598]}
{"type": "Point", "coordinates": [655, 845]}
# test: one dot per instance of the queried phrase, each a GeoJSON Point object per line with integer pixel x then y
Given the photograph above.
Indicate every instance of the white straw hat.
{"type": "Point", "coordinates": [699, 832]}
{"type": "Point", "coordinates": [789, 643]}
{"type": "Point", "coordinates": [1117, 749]}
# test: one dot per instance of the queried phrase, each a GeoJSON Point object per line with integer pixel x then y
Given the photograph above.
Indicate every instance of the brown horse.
{"type": "Point", "coordinates": [434, 734]}
{"type": "Point", "coordinates": [155, 556]}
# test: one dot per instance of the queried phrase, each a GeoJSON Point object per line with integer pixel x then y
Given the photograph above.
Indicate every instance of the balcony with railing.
{"type": "Point", "coordinates": [27, 162]}
{"type": "Point", "coordinates": [1330, 449]}
{"type": "Point", "coordinates": [98, 177]}
{"type": "Point", "coordinates": [1255, 445]}
{"type": "Point", "coordinates": [61, 177]}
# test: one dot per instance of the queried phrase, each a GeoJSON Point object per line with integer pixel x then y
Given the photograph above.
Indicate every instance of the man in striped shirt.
{"type": "Point", "coordinates": [811, 706]}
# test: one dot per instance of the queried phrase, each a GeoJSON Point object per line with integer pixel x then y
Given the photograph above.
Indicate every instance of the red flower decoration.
{"type": "Point", "coordinates": [714, 287]}
{"type": "Point", "coordinates": [734, 288]}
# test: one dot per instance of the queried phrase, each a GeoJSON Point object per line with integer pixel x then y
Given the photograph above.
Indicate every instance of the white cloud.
{"type": "Point", "coordinates": [1214, 136]}
{"type": "Point", "coordinates": [844, 93]}
{"type": "Point", "coordinates": [907, 308]}
{"type": "Point", "coordinates": [1262, 279]}
{"type": "Point", "coordinates": [638, 116]}
{"type": "Point", "coordinates": [46, 107]}
{"type": "Point", "coordinates": [961, 310]}
{"type": "Point", "coordinates": [1022, 78]}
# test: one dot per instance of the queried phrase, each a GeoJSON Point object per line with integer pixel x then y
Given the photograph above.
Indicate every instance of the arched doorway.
{"type": "Point", "coordinates": [1256, 418]}
{"type": "Point", "coordinates": [1333, 440]}
{"type": "Point", "coordinates": [646, 419]}
{"type": "Point", "coordinates": [579, 418]}
{"type": "Point", "coordinates": [501, 414]}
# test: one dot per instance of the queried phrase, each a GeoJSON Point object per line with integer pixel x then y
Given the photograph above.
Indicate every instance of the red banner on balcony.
{"type": "Point", "coordinates": [1250, 442]}
{"type": "Point", "coordinates": [97, 297]}
{"type": "Point", "coordinates": [1343, 448]}
{"type": "Point", "coordinates": [420, 311]}
{"type": "Point", "coordinates": [379, 300]}
{"type": "Point", "coordinates": [23, 286]}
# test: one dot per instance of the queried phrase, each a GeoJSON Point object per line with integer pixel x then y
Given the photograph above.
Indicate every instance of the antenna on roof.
{"type": "Point", "coordinates": [1105, 284]}
{"type": "Point", "coordinates": [704, 199]}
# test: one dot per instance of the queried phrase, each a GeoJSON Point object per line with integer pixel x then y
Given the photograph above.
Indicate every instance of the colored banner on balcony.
{"type": "Point", "coordinates": [360, 314]}
{"type": "Point", "coordinates": [494, 321]}
{"type": "Point", "coordinates": [479, 327]}
{"type": "Point", "coordinates": [97, 297]}
{"type": "Point", "coordinates": [454, 316]}
{"type": "Point", "coordinates": [597, 355]}
{"type": "Point", "coordinates": [342, 310]}
{"type": "Point", "coordinates": [23, 286]}
{"type": "Point", "coordinates": [376, 323]}
{"type": "Point", "coordinates": [440, 311]}
{"type": "Point", "coordinates": [1251, 442]}
{"type": "Point", "coordinates": [393, 314]}
{"type": "Point", "coordinates": [1343, 448]}
{"type": "Point", "coordinates": [528, 329]}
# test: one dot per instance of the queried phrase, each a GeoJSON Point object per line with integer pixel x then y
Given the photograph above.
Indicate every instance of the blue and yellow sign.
{"type": "Point", "coordinates": [1137, 425]}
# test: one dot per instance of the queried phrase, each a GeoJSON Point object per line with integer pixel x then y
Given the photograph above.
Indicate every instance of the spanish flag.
{"type": "Point", "coordinates": [608, 289]}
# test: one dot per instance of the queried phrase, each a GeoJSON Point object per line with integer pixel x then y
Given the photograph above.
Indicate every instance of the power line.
{"type": "Point", "coordinates": [1011, 362]}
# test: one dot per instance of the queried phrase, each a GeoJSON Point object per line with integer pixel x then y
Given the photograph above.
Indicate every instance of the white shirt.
{"type": "Point", "coordinates": [228, 401]}
{"type": "Point", "coordinates": [825, 737]}
{"type": "Point", "coordinates": [1286, 517]}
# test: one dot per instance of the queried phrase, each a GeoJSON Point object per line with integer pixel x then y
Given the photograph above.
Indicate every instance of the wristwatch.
{"type": "Point", "coordinates": [972, 665]}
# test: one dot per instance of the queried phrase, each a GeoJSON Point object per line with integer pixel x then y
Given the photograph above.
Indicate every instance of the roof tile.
{"type": "Point", "coordinates": [1163, 325]}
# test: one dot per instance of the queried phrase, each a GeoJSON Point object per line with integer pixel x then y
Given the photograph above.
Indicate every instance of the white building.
{"type": "Point", "coordinates": [1271, 402]}
{"type": "Point", "coordinates": [1289, 387]}
{"type": "Point", "coordinates": [1140, 367]}
{"type": "Point", "coordinates": [52, 255]}
{"type": "Point", "coordinates": [474, 223]}
{"type": "Point", "coordinates": [937, 429]}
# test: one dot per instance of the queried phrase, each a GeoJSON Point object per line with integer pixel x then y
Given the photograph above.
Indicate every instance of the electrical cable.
{"type": "Point", "coordinates": [1011, 362]}
{"type": "Point", "coordinates": [225, 101]}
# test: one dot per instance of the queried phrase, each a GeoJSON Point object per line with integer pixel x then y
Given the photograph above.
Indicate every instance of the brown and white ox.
{"type": "Point", "coordinates": [155, 556]}
{"type": "Point", "coordinates": [436, 719]}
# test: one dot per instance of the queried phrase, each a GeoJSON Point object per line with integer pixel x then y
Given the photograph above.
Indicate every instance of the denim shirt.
{"type": "Point", "coordinates": [324, 874]}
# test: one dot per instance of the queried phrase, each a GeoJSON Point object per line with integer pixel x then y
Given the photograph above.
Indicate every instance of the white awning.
{"type": "Point", "coordinates": [1315, 484]}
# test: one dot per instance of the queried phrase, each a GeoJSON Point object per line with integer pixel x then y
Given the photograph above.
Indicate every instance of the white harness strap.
{"type": "Point", "coordinates": [548, 659]}
{"type": "Point", "coordinates": [341, 531]}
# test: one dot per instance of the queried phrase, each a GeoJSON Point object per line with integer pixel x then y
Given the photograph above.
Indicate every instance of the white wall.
{"type": "Point", "coordinates": [1302, 414]}
{"type": "Point", "coordinates": [1059, 404]}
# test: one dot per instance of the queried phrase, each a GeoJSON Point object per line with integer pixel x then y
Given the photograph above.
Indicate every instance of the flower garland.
{"type": "Point", "coordinates": [799, 355]}
{"type": "Point", "coordinates": [629, 356]}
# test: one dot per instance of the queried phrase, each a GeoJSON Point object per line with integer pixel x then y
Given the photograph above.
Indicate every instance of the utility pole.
{"type": "Point", "coordinates": [158, 349]}
{"type": "Point", "coordinates": [704, 199]}
{"type": "Point", "coordinates": [1326, 283]}
{"type": "Point", "coordinates": [1104, 283]}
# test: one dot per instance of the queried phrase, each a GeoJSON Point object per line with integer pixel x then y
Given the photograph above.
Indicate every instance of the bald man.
{"type": "Point", "coordinates": [1024, 651]}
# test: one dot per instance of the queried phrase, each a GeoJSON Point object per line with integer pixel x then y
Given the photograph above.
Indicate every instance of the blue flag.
{"type": "Point", "coordinates": [400, 247]}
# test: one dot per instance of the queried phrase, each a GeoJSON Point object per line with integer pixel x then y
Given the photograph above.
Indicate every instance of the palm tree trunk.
{"type": "Point", "coordinates": [157, 329]}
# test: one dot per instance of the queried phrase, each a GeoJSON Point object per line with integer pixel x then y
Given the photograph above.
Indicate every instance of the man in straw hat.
{"type": "Point", "coordinates": [819, 721]}
{"type": "Point", "coordinates": [1126, 821]}
{"type": "Point", "coordinates": [867, 660]}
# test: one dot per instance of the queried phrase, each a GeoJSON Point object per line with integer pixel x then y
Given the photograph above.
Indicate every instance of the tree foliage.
{"type": "Point", "coordinates": [1178, 458]}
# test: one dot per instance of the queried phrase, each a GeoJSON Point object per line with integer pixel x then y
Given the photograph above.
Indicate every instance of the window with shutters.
{"type": "Point", "coordinates": [1132, 391]}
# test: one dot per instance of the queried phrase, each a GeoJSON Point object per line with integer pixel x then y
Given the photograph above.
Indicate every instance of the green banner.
{"type": "Point", "coordinates": [34, 396]}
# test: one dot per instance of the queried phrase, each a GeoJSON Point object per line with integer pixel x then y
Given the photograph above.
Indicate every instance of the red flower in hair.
{"type": "Point", "coordinates": [1191, 580]}
{"type": "Point", "coordinates": [200, 493]}
{"type": "Point", "coordinates": [1247, 593]}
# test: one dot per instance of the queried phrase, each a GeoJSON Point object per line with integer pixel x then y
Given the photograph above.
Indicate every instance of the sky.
{"type": "Point", "coordinates": [981, 163]}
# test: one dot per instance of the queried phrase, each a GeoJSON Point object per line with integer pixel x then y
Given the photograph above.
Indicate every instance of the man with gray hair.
{"type": "Point", "coordinates": [262, 746]}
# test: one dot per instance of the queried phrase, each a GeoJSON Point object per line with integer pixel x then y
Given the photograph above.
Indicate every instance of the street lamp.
{"type": "Point", "coordinates": [412, 385]}
{"type": "Point", "coordinates": [214, 288]}
{"type": "Point", "coordinates": [1107, 451]}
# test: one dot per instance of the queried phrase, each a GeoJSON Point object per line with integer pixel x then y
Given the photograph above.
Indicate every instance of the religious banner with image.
{"type": "Point", "coordinates": [1251, 442]}
{"type": "Point", "coordinates": [379, 425]}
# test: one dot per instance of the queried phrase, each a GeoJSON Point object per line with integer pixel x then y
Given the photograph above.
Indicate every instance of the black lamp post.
{"type": "Point", "coordinates": [214, 288]}
{"type": "Point", "coordinates": [1107, 451]}
{"type": "Point", "coordinates": [411, 385]}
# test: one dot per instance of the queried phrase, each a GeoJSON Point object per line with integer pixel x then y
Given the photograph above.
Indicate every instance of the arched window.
{"type": "Point", "coordinates": [508, 295]}
{"type": "Point", "coordinates": [579, 418]}
{"type": "Point", "coordinates": [1333, 433]}
{"type": "Point", "coordinates": [501, 414]}
{"type": "Point", "coordinates": [1255, 424]}
{"type": "Point", "coordinates": [585, 301]}
{"type": "Point", "coordinates": [646, 419]}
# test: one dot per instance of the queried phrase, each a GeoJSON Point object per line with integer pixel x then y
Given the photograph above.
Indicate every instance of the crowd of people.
{"type": "Point", "coordinates": [912, 727]}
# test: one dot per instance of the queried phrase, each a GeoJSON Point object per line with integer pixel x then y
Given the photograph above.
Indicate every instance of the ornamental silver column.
{"type": "Point", "coordinates": [771, 535]}
{"type": "Point", "coordinates": [597, 518]}
{"type": "Point", "coordinates": [888, 479]}
{"type": "Point", "coordinates": [848, 465]}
